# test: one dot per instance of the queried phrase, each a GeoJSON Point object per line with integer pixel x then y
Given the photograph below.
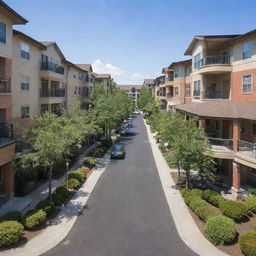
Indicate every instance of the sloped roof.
{"type": "Point", "coordinates": [102, 76]}
{"type": "Point", "coordinates": [86, 67]}
{"type": "Point", "coordinates": [180, 62]}
{"type": "Point", "coordinates": [220, 109]}
{"type": "Point", "coordinates": [149, 81]}
{"type": "Point", "coordinates": [49, 43]}
{"type": "Point", "coordinates": [129, 87]}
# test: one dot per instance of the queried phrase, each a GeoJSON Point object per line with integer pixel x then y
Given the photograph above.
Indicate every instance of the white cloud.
{"type": "Point", "coordinates": [137, 76]}
{"type": "Point", "coordinates": [106, 68]}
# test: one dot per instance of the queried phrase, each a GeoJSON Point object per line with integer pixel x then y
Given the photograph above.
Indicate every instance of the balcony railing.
{"type": "Point", "coordinates": [162, 94]}
{"type": "Point", "coordinates": [196, 93]}
{"type": "Point", "coordinates": [52, 67]}
{"type": "Point", "coordinates": [5, 85]}
{"type": "Point", "coordinates": [216, 60]}
{"type": "Point", "coordinates": [223, 145]}
{"type": "Point", "coordinates": [169, 95]}
{"type": "Point", "coordinates": [247, 148]}
{"type": "Point", "coordinates": [52, 92]}
{"type": "Point", "coordinates": [6, 133]}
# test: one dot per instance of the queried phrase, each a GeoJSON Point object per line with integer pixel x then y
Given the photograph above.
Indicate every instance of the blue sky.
{"type": "Point", "coordinates": [131, 39]}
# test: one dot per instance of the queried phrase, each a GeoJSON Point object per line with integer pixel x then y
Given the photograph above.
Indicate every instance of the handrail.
{"type": "Point", "coordinates": [216, 60]}
{"type": "Point", "coordinates": [220, 144]}
{"type": "Point", "coordinates": [247, 148]}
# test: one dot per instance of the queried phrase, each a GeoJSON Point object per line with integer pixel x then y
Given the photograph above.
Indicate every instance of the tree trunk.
{"type": "Point", "coordinates": [178, 166]}
{"type": "Point", "coordinates": [50, 183]}
{"type": "Point", "coordinates": [187, 179]}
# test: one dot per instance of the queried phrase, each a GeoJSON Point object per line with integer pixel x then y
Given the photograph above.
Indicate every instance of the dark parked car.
{"type": "Point", "coordinates": [118, 151]}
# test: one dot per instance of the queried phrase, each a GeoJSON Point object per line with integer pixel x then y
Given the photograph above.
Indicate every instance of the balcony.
{"type": "Point", "coordinates": [5, 85]}
{"type": "Point", "coordinates": [52, 92]}
{"type": "Point", "coordinates": [215, 64]}
{"type": "Point", "coordinates": [247, 148]}
{"type": "Point", "coordinates": [214, 95]}
{"type": "Point", "coordinates": [50, 66]}
{"type": "Point", "coordinates": [169, 95]}
{"type": "Point", "coordinates": [6, 134]}
{"type": "Point", "coordinates": [222, 145]}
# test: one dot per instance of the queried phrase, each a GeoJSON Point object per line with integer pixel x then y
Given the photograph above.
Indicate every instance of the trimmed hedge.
{"type": "Point", "coordinates": [34, 218]}
{"type": "Point", "coordinates": [84, 170]}
{"type": "Point", "coordinates": [205, 212]}
{"type": "Point", "coordinates": [184, 192]}
{"type": "Point", "coordinates": [60, 195]}
{"type": "Point", "coordinates": [216, 200]}
{"type": "Point", "coordinates": [247, 243]}
{"type": "Point", "coordinates": [72, 183]}
{"type": "Point", "coordinates": [197, 192]}
{"type": "Point", "coordinates": [10, 232]}
{"type": "Point", "coordinates": [78, 175]}
{"type": "Point", "coordinates": [221, 230]}
{"type": "Point", "coordinates": [234, 210]}
{"type": "Point", "coordinates": [12, 215]}
{"type": "Point", "coordinates": [208, 193]}
{"type": "Point", "coordinates": [46, 206]}
{"type": "Point", "coordinates": [90, 162]}
{"type": "Point", "coordinates": [196, 202]}
{"type": "Point", "coordinates": [250, 203]}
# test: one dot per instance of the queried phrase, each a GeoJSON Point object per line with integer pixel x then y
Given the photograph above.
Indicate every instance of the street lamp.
{"type": "Point", "coordinates": [67, 165]}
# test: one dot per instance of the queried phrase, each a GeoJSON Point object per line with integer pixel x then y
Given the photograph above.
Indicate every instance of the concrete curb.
{"type": "Point", "coordinates": [64, 221]}
{"type": "Point", "coordinates": [187, 229]}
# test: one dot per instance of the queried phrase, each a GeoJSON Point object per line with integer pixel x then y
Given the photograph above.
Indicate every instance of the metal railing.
{"type": "Point", "coordinates": [5, 85]}
{"type": "Point", "coordinates": [52, 92]}
{"type": "Point", "coordinates": [247, 148]}
{"type": "Point", "coordinates": [52, 67]}
{"type": "Point", "coordinates": [162, 94]}
{"type": "Point", "coordinates": [6, 133]}
{"type": "Point", "coordinates": [216, 60]}
{"type": "Point", "coordinates": [212, 95]}
{"type": "Point", "coordinates": [169, 95]}
{"type": "Point", "coordinates": [196, 93]}
{"type": "Point", "coordinates": [219, 144]}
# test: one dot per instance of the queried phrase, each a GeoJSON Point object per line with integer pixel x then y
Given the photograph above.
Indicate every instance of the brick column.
{"type": "Point", "coordinates": [236, 134]}
{"type": "Point", "coordinates": [236, 181]}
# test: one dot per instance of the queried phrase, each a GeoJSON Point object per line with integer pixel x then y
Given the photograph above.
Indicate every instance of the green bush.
{"type": "Point", "coordinates": [216, 200]}
{"type": "Point", "coordinates": [60, 195]}
{"type": "Point", "coordinates": [197, 192]}
{"type": "Point", "coordinates": [188, 198]}
{"type": "Point", "coordinates": [234, 210]}
{"type": "Point", "coordinates": [208, 193]}
{"type": "Point", "coordinates": [80, 176]}
{"type": "Point", "coordinates": [12, 215]}
{"type": "Point", "coordinates": [72, 183]}
{"type": "Point", "coordinates": [247, 243]}
{"type": "Point", "coordinates": [205, 212]}
{"type": "Point", "coordinates": [10, 232]}
{"type": "Point", "coordinates": [34, 218]}
{"type": "Point", "coordinates": [46, 206]}
{"type": "Point", "coordinates": [196, 202]}
{"type": "Point", "coordinates": [252, 191]}
{"type": "Point", "coordinates": [250, 203]}
{"type": "Point", "coordinates": [220, 230]}
{"type": "Point", "coordinates": [185, 192]}
{"type": "Point", "coordinates": [84, 170]}
{"type": "Point", "coordinates": [106, 143]}
{"type": "Point", "coordinates": [98, 152]}
{"type": "Point", "coordinates": [90, 162]}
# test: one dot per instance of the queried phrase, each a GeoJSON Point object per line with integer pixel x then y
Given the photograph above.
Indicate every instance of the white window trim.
{"type": "Point", "coordinates": [25, 91]}
{"type": "Point", "coordinates": [24, 106]}
{"type": "Point", "coordinates": [247, 93]}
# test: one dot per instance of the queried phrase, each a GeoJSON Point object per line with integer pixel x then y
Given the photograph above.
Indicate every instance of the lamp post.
{"type": "Point", "coordinates": [67, 165]}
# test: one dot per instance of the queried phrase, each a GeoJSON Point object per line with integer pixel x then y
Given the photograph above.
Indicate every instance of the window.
{"type": "Point", "coordinates": [254, 128]}
{"type": "Point", "coordinates": [176, 72]}
{"type": "Point", "coordinates": [79, 90]}
{"type": "Point", "coordinates": [2, 32]}
{"type": "Point", "coordinates": [197, 61]}
{"type": "Point", "coordinates": [187, 90]}
{"type": "Point", "coordinates": [197, 89]}
{"type": "Point", "coordinates": [247, 84]}
{"type": "Point", "coordinates": [24, 51]}
{"type": "Point", "coordinates": [247, 50]}
{"type": "Point", "coordinates": [24, 112]}
{"type": "Point", "coordinates": [75, 90]}
{"type": "Point", "coordinates": [24, 83]}
{"type": "Point", "coordinates": [188, 71]}
{"type": "Point", "coordinates": [176, 91]}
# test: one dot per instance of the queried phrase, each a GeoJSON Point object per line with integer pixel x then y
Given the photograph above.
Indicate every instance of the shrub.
{"type": "Point", "coordinates": [220, 230]}
{"type": "Point", "coordinates": [46, 206]}
{"type": "Point", "coordinates": [252, 191]}
{"type": "Point", "coordinates": [84, 170]}
{"type": "Point", "coordinates": [234, 210]}
{"type": "Point", "coordinates": [185, 192]}
{"type": "Point", "coordinates": [10, 232]}
{"type": "Point", "coordinates": [72, 183]}
{"type": "Point", "coordinates": [207, 193]}
{"type": "Point", "coordinates": [90, 162]}
{"type": "Point", "coordinates": [80, 176]}
{"type": "Point", "coordinates": [250, 203]}
{"type": "Point", "coordinates": [205, 212]}
{"type": "Point", "coordinates": [106, 143]}
{"type": "Point", "coordinates": [60, 195]}
{"type": "Point", "coordinates": [196, 202]}
{"type": "Point", "coordinates": [197, 192]}
{"type": "Point", "coordinates": [188, 198]}
{"type": "Point", "coordinates": [34, 218]}
{"type": "Point", "coordinates": [247, 243]}
{"type": "Point", "coordinates": [216, 200]}
{"type": "Point", "coordinates": [12, 215]}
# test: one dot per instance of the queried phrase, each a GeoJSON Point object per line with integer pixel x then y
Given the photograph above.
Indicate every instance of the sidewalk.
{"type": "Point", "coordinates": [64, 221]}
{"type": "Point", "coordinates": [28, 202]}
{"type": "Point", "coordinates": [184, 222]}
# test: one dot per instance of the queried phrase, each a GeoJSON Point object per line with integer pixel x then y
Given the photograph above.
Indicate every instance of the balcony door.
{"type": "Point", "coordinates": [226, 89]}
{"type": "Point", "coordinates": [2, 115]}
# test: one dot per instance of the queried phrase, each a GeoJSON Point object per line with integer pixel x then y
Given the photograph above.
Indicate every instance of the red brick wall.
{"type": "Point", "coordinates": [237, 86]}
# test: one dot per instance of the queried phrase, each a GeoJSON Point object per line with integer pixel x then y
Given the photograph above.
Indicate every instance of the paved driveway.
{"type": "Point", "coordinates": [127, 213]}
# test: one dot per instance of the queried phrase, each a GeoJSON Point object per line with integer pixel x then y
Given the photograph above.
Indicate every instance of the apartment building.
{"type": "Point", "coordinates": [223, 96]}
{"type": "Point", "coordinates": [133, 91]}
{"type": "Point", "coordinates": [8, 18]}
{"type": "Point", "coordinates": [105, 79]}
{"type": "Point", "coordinates": [150, 83]}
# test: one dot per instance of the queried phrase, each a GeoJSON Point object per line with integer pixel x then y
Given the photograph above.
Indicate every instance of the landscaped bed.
{"type": "Point", "coordinates": [223, 221]}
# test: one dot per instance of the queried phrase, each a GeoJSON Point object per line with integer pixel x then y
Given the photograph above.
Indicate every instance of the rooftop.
{"type": "Point", "coordinates": [129, 87]}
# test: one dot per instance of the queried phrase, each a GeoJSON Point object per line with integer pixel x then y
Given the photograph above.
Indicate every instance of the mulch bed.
{"type": "Point", "coordinates": [243, 227]}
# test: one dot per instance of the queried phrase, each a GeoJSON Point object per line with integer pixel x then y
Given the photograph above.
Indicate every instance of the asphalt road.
{"type": "Point", "coordinates": [127, 213]}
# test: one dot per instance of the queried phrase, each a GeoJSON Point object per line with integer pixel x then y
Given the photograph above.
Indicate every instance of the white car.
{"type": "Point", "coordinates": [136, 112]}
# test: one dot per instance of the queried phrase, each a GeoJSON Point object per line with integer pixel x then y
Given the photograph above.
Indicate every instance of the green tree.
{"type": "Point", "coordinates": [145, 97]}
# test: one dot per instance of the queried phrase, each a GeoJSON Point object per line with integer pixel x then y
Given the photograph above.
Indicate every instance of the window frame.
{"type": "Point", "coordinates": [22, 83]}
{"type": "Point", "coordinates": [197, 63]}
{"type": "Point", "coordinates": [175, 73]}
{"type": "Point", "coordinates": [25, 115]}
{"type": "Point", "coordinates": [176, 91]}
{"type": "Point", "coordinates": [251, 84]}
{"type": "Point", "coordinates": [250, 52]}
{"type": "Point", "coordinates": [197, 82]}
{"type": "Point", "coordinates": [4, 30]}
{"type": "Point", "coordinates": [24, 54]}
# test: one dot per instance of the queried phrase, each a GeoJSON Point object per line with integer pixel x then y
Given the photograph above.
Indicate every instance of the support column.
{"type": "Point", "coordinates": [202, 124]}
{"type": "Point", "coordinates": [236, 134]}
{"type": "Point", "coordinates": [236, 181]}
